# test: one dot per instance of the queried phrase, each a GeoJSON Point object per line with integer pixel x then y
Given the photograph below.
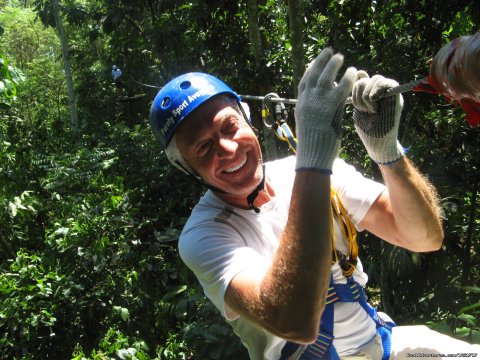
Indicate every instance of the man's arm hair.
{"type": "Point", "coordinates": [289, 298]}
{"type": "Point", "coordinates": [408, 214]}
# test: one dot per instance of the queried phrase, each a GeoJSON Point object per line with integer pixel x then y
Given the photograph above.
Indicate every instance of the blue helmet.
{"type": "Point", "coordinates": [179, 98]}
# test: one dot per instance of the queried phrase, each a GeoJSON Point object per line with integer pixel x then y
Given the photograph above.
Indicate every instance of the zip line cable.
{"type": "Point", "coordinates": [276, 99]}
{"type": "Point", "coordinates": [393, 91]}
{"type": "Point", "coordinates": [147, 85]}
{"type": "Point", "coordinates": [278, 120]}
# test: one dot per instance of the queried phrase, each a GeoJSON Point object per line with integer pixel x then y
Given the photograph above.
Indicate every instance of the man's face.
{"type": "Point", "coordinates": [218, 143]}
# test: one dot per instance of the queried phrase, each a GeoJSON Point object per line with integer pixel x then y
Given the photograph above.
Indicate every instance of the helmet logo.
{"type": "Point", "coordinates": [207, 91]}
{"type": "Point", "coordinates": [167, 125]}
{"type": "Point", "coordinates": [179, 109]}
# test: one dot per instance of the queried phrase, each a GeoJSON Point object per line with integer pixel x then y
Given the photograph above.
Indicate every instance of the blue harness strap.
{"type": "Point", "coordinates": [323, 347]}
{"type": "Point", "coordinates": [352, 291]}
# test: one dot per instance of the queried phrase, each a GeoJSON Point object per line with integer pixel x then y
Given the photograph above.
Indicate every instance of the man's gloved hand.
{"type": "Point", "coordinates": [377, 120]}
{"type": "Point", "coordinates": [319, 111]}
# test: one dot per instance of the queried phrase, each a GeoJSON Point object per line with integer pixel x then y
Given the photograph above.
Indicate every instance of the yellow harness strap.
{"type": "Point", "coordinates": [347, 262]}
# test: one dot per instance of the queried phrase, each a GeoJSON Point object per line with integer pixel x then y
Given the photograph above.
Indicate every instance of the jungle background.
{"type": "Point", "coordinates": [90, 210]}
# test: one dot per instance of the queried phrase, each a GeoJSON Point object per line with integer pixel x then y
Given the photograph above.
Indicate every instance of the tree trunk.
{"type": "Point", "coordinates": [295, 15]}
{"type": "Point", "coordinates": [67, 68]}
{"type": "Point", "coordinates": [254, 33]}
{"type": "Point", "coordinates": [264, 86]}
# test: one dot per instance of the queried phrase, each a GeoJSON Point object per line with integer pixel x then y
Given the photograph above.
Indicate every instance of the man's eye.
{"type": "Point", "coordinates": [231, 125]}
{"type": "Point", "coordinates": [203, 148]}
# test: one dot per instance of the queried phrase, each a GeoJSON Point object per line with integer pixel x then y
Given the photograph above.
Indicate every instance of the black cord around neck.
{"type": "Point", "coordinates": [251, 198]}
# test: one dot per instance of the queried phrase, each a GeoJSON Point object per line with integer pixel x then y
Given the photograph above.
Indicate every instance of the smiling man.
{"type": "Point", "coordinates": [218, 142]}
{"type": "Point", "coordinates": [274, 245]}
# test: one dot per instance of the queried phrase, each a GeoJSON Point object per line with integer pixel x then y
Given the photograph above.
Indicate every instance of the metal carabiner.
{"type": "Point", "coordinates": [266, 115]}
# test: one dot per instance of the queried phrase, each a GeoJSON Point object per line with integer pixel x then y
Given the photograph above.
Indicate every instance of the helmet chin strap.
{"type": "Point", "coordinates": [253, 195]}
{"type": "Point", "coordinates": [250, 198]}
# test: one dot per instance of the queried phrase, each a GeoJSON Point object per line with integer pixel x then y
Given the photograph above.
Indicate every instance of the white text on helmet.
{"type": "Point", "coordinates": [176, 112]}
{"type": "Point", "coordinates": [196, 95]}
{"type": "Point", "coordinates": [167, 125]}
{"type": "Point", "coordinates": [179, 109]}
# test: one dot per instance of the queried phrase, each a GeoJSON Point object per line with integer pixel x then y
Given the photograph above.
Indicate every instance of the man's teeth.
{"type": "Point", "coordinates": [235, 168]}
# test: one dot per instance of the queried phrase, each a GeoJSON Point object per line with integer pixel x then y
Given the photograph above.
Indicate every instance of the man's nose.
{"type": "Point", "coordinates": [226, 147]}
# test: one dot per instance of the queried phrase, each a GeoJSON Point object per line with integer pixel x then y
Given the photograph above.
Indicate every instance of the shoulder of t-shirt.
{"type": "Point", "coordinates": [280, 172]}
{"type": "Point", "coordinates": [343, 173]}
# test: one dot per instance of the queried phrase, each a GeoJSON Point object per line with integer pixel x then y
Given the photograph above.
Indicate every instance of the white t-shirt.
{"type": "Point", "coordinates": [219, 241]}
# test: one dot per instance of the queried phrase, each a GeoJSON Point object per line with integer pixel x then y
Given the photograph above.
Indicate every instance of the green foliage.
{"type": "Point", "coordinates": [468, 319]}
{"type": "Point", "coordinates": [10, 77]}
{"type": "Point", "coordinates": [88, 231]}
{"type": "Point", "coordinates": [115, 345]}
{"type": "Point", "coordinates": [25, 39]}
{"type": "Point", "coordinates": [173, 349]}
{"type": "Point", "coordinates": [28, 297]}
{"type": "Point", "coordinates": [464, 323]}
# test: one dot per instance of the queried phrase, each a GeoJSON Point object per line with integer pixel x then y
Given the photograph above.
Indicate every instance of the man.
{"type": "Point", "coordinates": [116, 73]}
{"type": "Point", "coordinates": [261, 239]}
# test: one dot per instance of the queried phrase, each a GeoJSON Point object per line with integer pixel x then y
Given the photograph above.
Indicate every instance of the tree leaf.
{"type": "Point", "coordinates": [16, 75]}
{"type": "Point", "coordinates": [468, 308]}
{"type": "Point", "coordinates": [12, 208]}
{"type": "Point", "coordinates": [125, 314]}
{"type": "Point", "coordinates": [10, 90]}
{"type": "Point", "coordinates": [462, 332]}
{"type": "Point", "coordinates": [472, 289]}
{"type": "Point", "coordinates": [469, 319]}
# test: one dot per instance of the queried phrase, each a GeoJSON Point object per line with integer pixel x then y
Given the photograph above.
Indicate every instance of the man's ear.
{"type": "Point", "coordinates": [246, 111]}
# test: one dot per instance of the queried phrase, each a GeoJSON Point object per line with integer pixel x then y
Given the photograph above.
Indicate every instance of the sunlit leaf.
{"type": "Point", "coordinates": [16, 75]}
{"type": "Point", "coordinates": [9, 88]}
{"type": "Point", "coordinates": [462, 332]}
{"type": "Point", "coordinates": [12, 208]}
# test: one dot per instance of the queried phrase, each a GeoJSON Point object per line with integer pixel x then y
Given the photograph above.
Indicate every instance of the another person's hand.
{"type": "Point", "coordinates": [319, 111]}
{"type": "Point", "coordinates": [377, 119]}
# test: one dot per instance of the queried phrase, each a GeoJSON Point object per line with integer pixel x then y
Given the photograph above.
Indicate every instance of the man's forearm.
{"type": "Point", "coordinates": [289, 298]}
{"type": "Point", "coordinates": [296, 285]}
{"type": "Point", "coordinates": [415, 207]}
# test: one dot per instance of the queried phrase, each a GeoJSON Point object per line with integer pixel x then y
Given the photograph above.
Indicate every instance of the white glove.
{"type": "Point", "coordinates": [319, 111]}
{"type": "Point", "coordinates": [377, 120]}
